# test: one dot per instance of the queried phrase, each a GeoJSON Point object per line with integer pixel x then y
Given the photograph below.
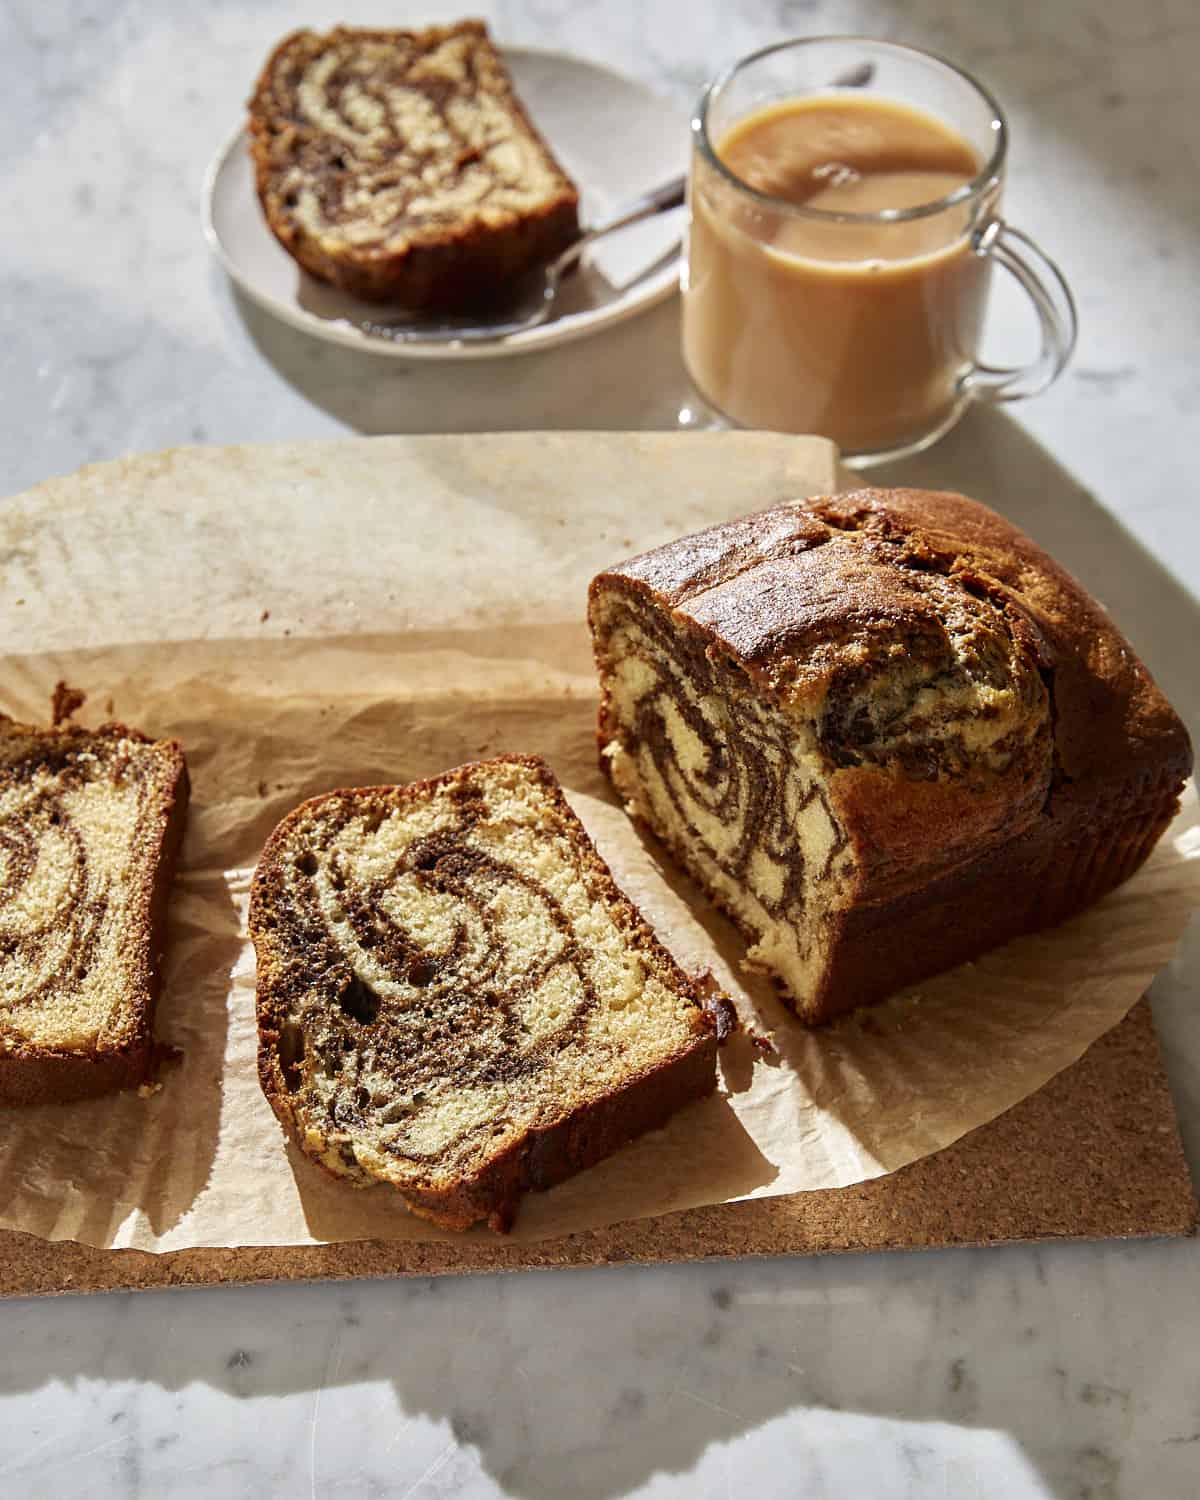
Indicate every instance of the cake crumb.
{"type": "Point", "coordinates": [148, 1090]}
{"type": "Point", "coordinates": [764, 1044]}
{"type": "Point", "coordinates": [725, 1021]}
{"type": "Point", "coordinates": [262, 788]}
{"type": "Point", "coordinates": [500, 1220]}
{"type": "Point", "coordinates": [264, 617]}
{"type": "Point", "coordinates": [716, 1002]}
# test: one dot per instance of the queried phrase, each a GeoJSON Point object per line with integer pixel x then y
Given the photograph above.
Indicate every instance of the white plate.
{"type": "Point", "coordinates": [615, 138]}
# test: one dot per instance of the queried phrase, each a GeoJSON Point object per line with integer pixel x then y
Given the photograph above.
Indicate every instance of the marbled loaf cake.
{"type": "Point", "coordinates": [90, 824]}
{"type": "Point", "coordinates": [401, 166]}
{"type": "Point", "coordinates": [885, 732]}
{"type": "Point", "coordinates": [455, 998]}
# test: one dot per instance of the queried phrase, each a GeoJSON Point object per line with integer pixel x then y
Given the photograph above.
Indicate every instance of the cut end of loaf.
{"type": "Point", "coordinates": [732, 785]}
{"type": "Point", "coordinates": [454, 997]}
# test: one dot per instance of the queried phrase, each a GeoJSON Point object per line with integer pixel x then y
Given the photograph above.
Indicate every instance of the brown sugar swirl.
{"type": "Point", "coordinates": [52, 908]}
{"type": "Point", "coordinates": [445, 968]}
{"type": "Point", "coordinates": [423, 947]}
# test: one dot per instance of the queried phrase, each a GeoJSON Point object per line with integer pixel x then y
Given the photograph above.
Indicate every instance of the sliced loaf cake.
{"type": "Point", "coordinates": [884, 730]}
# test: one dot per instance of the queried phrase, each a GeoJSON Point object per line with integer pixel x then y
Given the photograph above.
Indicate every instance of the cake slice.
{"type": "Point", "coordinates": [400, 166]}
{"type": "Point", "coordinates": [883, 730]}
{"type": "Point", "coordinates": [455, 998]}
{"type": "Point", "coordinates": [90, 825]}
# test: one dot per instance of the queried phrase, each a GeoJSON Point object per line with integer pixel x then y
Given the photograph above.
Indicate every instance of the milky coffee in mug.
{"type": "Point", "coordinates": [843, 219]}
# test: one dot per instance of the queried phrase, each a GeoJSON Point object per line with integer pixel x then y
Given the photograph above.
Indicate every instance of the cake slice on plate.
{"type": "Point", "coordinates": [402, 167]}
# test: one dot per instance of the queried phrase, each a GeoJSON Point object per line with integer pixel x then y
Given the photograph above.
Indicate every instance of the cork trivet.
{"type": "Point", "coordinates": [1096, 1154]}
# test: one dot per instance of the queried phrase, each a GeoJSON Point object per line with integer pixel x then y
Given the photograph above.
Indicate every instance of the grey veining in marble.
{"type": "Point", "coordinates": [1017, 1373]}
{"type": "Point", "coordinates": [1068, 1372]}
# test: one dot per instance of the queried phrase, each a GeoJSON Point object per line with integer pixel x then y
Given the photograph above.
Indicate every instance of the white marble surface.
{"type": "Point", "coordinates": [1070, 1371]}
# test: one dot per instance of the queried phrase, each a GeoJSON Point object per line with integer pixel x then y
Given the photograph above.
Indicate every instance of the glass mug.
{"type": "Point", "coordinates": [803, 319]}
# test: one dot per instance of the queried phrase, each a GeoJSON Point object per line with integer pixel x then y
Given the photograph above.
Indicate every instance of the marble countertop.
{"type": "Point", "coordinates": [1068, 1371]}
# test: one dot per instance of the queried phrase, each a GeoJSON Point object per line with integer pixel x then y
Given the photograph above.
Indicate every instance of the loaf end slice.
{"type": "Point", "coordinates": [402, 167]}
{"type": "Point", "coordinates": [885, 732]}
{"type": "Point", "coordinates": [90, 827]}
{"type": "Point", "coordinates": [455, 998]}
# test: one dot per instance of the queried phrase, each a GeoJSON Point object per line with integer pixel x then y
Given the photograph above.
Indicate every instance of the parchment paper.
{"type": "Point", "coordinates": [467, 558]}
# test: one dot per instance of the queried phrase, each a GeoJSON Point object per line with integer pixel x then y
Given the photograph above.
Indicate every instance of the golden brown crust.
{"type": "Point", "coordinates": [447, 265]}
{"type": "Point", "coordinates": [37, 1075]}
{"type": "Point", "coordinates": [542, 1155]}
{"type": "Point", "coordinates": [1107, 706]}
{"type": "Point", "coordinates": [947, 864]}
{"type": "Point", "coordinates": [749, 587]}
{"type": "Point", "coordinates": [550, 1154]}
{"type": "Point", "coordinates": [63, 1078]}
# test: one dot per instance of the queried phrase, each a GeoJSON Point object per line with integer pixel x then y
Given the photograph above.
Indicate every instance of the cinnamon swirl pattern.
{"type": "Point", "coordinates": [53, 904]}
{"type": "Point", "coordinates": [446, 968]}
{"type": "Point", "coordinates": [728, 785]}
{"type": "Point", "coordinates": [88, 826]}
{"type": "Point", "coordinates": [401, 166]}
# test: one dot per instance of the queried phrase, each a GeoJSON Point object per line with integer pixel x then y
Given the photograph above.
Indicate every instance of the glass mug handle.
{"type": "Point", "coordinates": [1046, 287]}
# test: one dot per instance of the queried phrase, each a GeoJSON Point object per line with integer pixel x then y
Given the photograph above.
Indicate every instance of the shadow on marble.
{"type": "Point", "coordinates": [626, 378]}
{"type": "Point", "coordinates": [590, 1384]}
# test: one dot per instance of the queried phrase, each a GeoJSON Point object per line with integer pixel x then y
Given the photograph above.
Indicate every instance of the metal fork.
{"type": "Point", "coordinates": [534, 300]}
